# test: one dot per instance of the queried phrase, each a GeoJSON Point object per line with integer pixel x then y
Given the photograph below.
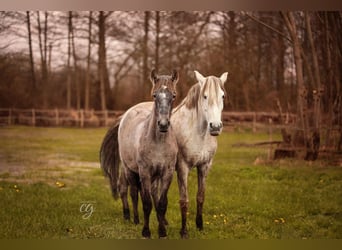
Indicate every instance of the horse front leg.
{"type": "Point", "coordinates": [147, 205]}
{"type": "Point", "coordinates": [182, 178]}
{"type": "Point", "coordinates": [155, 195]}
{"type": "Point", "coordinates": [163, 202]}
{"type": "Point", "coordinates": [201, 177]}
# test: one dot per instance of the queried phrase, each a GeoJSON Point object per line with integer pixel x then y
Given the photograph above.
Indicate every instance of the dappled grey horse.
{"type": "Point", "coordinates": [145, 143]}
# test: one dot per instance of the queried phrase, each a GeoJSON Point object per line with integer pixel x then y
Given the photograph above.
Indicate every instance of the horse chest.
{"type": "Point", "coordinates": [198, 152]}
{"type": "Point", "coordinates": [158, 154]}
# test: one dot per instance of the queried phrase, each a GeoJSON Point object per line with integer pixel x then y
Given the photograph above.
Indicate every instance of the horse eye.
{"type": "Point", "coordinates": [205, 96]}
{"type": "Point", "coordinates": [154, 95]}
{"type": "Point", "coordinates": [174, 96]}
{"type": "Point", "coordinates": [223, 96]}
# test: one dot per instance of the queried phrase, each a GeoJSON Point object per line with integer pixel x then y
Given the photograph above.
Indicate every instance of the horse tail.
{"type": "Point", "coordinates": [110, 158]}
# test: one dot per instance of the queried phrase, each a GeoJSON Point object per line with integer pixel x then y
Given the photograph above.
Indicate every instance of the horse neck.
{"type": "Point", "coordinates": [193, 120]}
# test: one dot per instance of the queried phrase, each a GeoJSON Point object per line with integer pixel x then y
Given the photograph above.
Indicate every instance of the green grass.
{"type": "Point", "coordinates": [285, 199]}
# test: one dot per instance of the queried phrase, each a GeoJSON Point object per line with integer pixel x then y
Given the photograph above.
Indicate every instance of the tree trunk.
{"type": "Point", "coordinates": [87, 81]}
{"type": "Point", "coordinates": [318, 92]}
{"type": "Point", "coordinates": [301, 90]}
{"type": "Point", "coordinates": [281, 62]}
{"type": "Point", "coordinates": [33, 75]}
{"type": "Point", "coordinates": [43, 55]}
{"type": "Point", "coordinates": [68, 63]}
{"type": "Point", "coordinates": [156, 58]}
{"type": "Point", "coordinates": [317, 77]}
{"type": "Point", "coordinates": [76, 77]}
{"type": "Point", "coordinates": [102, 60]}
{"type": "Point", "coordinates": [145, 86]}
{"type": "Point", "coordinates": [49, 61]}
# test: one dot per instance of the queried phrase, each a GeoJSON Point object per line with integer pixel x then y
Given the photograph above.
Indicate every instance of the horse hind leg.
{"type": "Point", "coordinates": [123, 188]}
{"type": "Point", "coordinates": [135, 197]}
{"type": "Point", "coordinates": [132, 180]}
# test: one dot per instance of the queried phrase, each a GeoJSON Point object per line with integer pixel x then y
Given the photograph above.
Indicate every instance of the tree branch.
{"type": "Point", "coordinates": [268, 26]}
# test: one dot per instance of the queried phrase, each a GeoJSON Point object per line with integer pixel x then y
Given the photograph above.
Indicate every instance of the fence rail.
{"type": "Point", "coordinates": [58, 117]}
{"type": "Point", "coordinates": [93, 118]}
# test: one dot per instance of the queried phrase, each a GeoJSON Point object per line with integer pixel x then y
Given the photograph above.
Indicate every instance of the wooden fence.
{"type": "Point", "coordinates": [58, 117]}
{"type": "Point", "coordinates": [91, 118]}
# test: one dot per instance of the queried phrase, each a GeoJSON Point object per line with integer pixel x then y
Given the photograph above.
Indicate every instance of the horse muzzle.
{"type": "Point", "coordinates": [215, 129]}
{"type": "Point", "coordinates": [163, 125]}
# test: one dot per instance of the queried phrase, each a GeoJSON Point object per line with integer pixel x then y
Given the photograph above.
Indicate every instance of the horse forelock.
{"type": "Point", "coordinates": [162, 82]}
{"type": "Point", "coordinates": [211, 87]}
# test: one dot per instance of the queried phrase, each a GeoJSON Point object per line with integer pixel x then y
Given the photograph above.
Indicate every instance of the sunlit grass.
{"type": "Point", "coordinates": [48, 173]}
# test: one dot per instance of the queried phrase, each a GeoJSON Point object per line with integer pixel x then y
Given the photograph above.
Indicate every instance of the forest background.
{"type": "Point", "coordinates": [101, 59]}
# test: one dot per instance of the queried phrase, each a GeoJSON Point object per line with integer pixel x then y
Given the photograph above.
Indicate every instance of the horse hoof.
{"type": "Point", "coordinates": [162, 232]}
{"type": "Point", "coordinates": [136, 221]}
{"type": "Point", "coordinates": [184, 234]}
{"type": "Point", "coordinates": [199, 223]}
{"type": "Point", "coordinates": [126, 214]}
{"type": "Point", "coordinates": [146, 233]}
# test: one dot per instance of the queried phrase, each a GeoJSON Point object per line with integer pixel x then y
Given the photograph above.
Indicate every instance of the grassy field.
{"type": "Point", "coordinates": [51, 186]}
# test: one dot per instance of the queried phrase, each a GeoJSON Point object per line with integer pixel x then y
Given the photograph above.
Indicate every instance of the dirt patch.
{"type": "Point", "coordinates": [50, 169]}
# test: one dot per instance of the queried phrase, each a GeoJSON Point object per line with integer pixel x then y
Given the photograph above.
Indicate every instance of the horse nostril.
{"type": "Point", "coordinates": [211, 125]}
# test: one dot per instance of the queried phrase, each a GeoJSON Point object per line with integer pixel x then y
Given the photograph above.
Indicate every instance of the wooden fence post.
{"type": "Point", "coordinates": [106, 117]}
{"type": "Point", "coordinates": [82, 118]}
{"type": "Point", "coordinates": [9, 116]}
{"type": "Point", "coordinates": [254, 122]}
{"type": "Point", "coordinates": [33, 121]}
{"type": "Point", "coordinates": [57, 117]}
{"type": "Point", "coordinates": [270, 122]}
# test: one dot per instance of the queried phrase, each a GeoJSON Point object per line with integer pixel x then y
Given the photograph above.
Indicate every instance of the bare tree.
{"type": "Point", "coordinates": [68, 61]}
{"type": "Point", "coordinates": [42, 37]}
{"type": "Point", "coordinates": [308, 138]}
{"type": "Point", "coordinates": [102, 63]}
{"type": "Point", "coordinates": [317, 77]}
{"type": "Point", "coordinates": [29, 33]}
{"type": "Point", "coordinates": [75, 60]}
{"type": "Point", "coordinates": [87, 82]}
{"type": "Point", "coordinates": [145, 56]}
{"type": "Point", "coordinates": [156, 54]}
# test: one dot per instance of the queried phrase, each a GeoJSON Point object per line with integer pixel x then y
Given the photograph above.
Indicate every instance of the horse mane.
{"type": "Point", "coordinates": [194, 93]}
{"type": "Point", "coordinates": [191, 99]}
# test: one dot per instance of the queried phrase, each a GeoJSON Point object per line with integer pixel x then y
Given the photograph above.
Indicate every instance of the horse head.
{"type": "Point", "coordinates": [211, 100]}
{"type": "Point", "coordinates": [164, 94]}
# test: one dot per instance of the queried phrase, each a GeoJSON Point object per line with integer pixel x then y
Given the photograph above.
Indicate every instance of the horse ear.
{"type": "Point", "coordinates": [199, 77]}
{"type": "Point", "coordinates": [174, 76]}
{"type": "Point", "coordinates": [223, 77]}
{"type": "Point", "coordinates": [153, 76]}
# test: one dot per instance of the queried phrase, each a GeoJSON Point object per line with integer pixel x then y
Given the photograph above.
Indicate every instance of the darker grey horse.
{"type": "Point", "coordinates": [144, 141]}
